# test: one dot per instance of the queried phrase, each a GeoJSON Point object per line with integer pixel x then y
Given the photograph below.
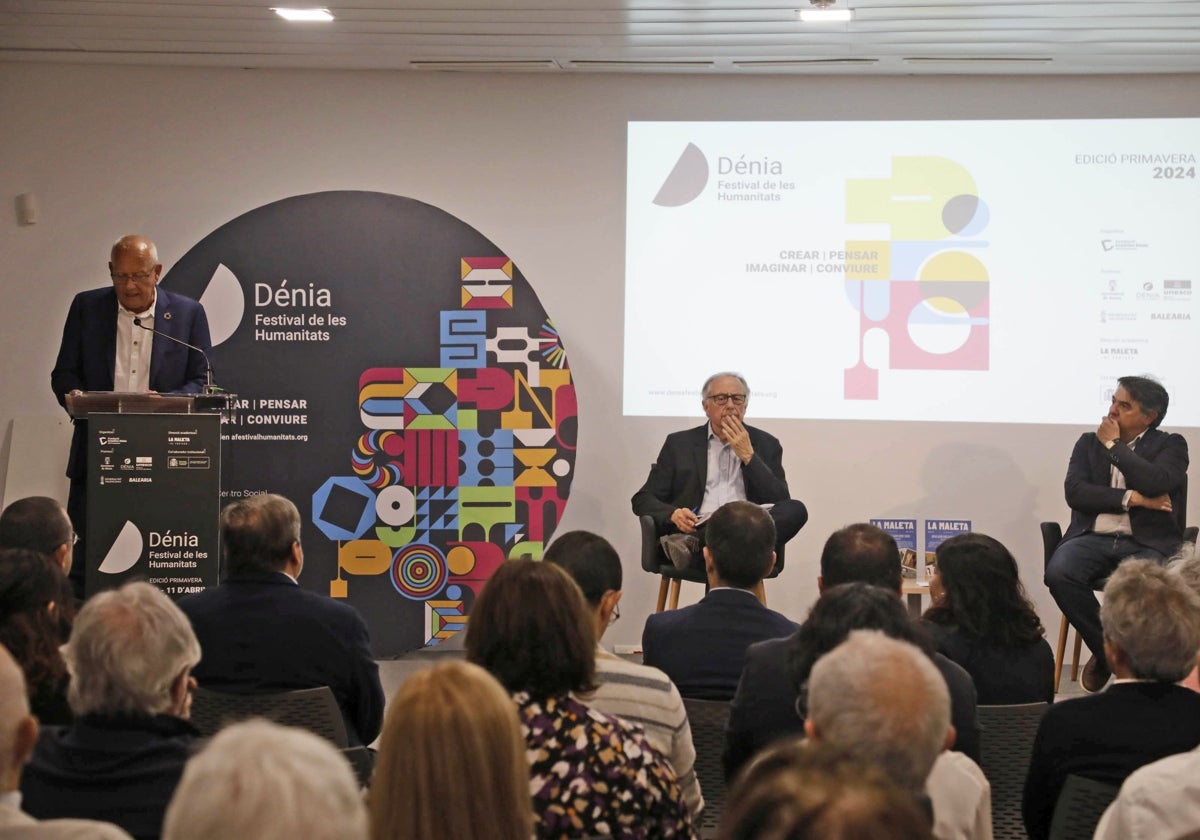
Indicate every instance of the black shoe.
{"type": "Point", "coordinates": [1095, 676]}
{"type": "Point", "coordinates": [680, 549]}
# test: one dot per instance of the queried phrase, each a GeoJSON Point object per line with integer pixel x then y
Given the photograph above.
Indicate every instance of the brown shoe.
{"type": "Point", "coordinates": [680, 549]}
{"type": "Point", "coordinates": [1095, 676]}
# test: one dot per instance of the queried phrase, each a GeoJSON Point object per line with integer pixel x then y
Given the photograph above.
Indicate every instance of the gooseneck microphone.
{"type": "Point", "coordinates": [209, 388]}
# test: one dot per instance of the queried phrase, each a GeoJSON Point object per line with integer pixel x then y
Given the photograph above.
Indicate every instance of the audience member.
{"type": "Point", "coordinates": [130, 657]}
{"type": "Point", "coordinates": [1186, 564]}
{"type": "Point", "coordinates": [1151, 624]}
{"type": "Point", "coordinates": [592, 773]}
{"type": "Point", "coordinates": [764, 706]}
{"type": "Point", "coordinates": [451, 760]}
{"type": "Point", "coordinates": [36, 609]}
{"type": "Point", "coordinates": [1159, 801]}
{"type": "Point", "coordinates": [39, 524]}
{"type": "Point", "coordinates": [262, 632]}
{"type": "Point", "coordinates": [800, 790]}
{"type": "Point", "coordinates": [18, 732]}
{"type": "Point", "coordinates": [772, 697]}
{"type": "Point", "coordinates": [982, 619]}
{"type": "Point", "coordinates": [257, 780]}
{"type": "Point", "coordinates": [884, 701]}
{"type": "Point", "coordinates": [636, 693]}
{"type": "Point", "coordinates": [702, 647]}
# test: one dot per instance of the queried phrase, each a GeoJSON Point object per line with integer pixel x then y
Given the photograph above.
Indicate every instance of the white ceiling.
{"type": "Point", "coordinates": [569, 36]}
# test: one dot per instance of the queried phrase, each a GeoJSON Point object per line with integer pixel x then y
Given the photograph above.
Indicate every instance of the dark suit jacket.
{"type": "Point", "coordinates": [88, 352]}
{"type": "Point", "coordinates": [702, 647]}
{"type": "Point", "coordinates": [764, 707]}
{"type": "Point", "coordinates": [262, 633]}
{"type": "Point", "coordinates": [121, 769]}
{"type": "Point", "coordinates": [677, 478]}
{"type": "Point", "coordinates": [1158, 465]}
{"type": "Point", "coordinates": [1106, 737]}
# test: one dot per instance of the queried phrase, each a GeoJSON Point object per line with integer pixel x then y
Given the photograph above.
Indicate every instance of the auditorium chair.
{"type": "Point", "coordinates": [707, 719]}
{"type": "Point", "coordinates": [1080, 805]}
{"type": "Point", "coordinates": [1005, 747]}
{"type": "Point", "coordinates": [656, 562]}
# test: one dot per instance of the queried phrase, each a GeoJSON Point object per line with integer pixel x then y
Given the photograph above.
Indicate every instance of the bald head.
{"type": "Point", "coordinates": [135, 245]}
{"type": "Point", "coordinates": [134, 268]}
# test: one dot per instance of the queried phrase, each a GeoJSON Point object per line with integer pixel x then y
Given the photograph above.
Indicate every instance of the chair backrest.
{"type": "Point", "coordinates": [652, 556]}
{"type": "Point", "coordinates": [314, 709]}
{"type": "Point", "coordinates": [1005, 745]}
{"type": "Point", "coordinates": [1051, 537]}
{"type": "Point", "coordinates": [708, 719]}
{"type": "Point", "coordinates": [1080, 805]}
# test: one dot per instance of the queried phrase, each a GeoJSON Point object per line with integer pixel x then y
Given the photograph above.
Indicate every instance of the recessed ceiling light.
{"type": "Point", "coordinates": [322, 15]}
{"type": "Point", "coordinates": [826, 15]}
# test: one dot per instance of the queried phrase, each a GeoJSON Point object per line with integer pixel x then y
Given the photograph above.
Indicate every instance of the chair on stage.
{"type": "Point", "coordinates": [1052, 535]}
{"type": "Point", "coordinates": [1005, 747]}
{"type": "Point", "coordinates": [656, 562]}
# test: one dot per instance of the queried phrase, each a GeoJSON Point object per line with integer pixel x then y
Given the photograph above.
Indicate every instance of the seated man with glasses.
{"type": "Point", "coordinates": [700, 469]}
{"type": "Point", "coordinates": [109, 344]}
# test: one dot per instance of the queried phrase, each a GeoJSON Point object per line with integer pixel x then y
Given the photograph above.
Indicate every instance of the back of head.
{"type": "Point", "coordinates": [14, 708]}
{"type": "Point", "coordinates": [257, 534]}
{"type": "Point", "coordinates": [861, 553]}
{"type": "Point", "coordinates": [590, 560]}
{"type": "Point", "coordinates": [884, 701]}
{"type": "Point", "coordinates": [451, 760]}
{"type": "Point", "coordinates": [798, 790]}
{"type": "Point", "coordinates": [1186, 566]}
{"type": "Point", "coordinates": [38, 523]}
{"type": "Point", "coordinates": [257, 780]}
{"type": "Point", "coordinates": [984, 595]}
{"type": "Point", "coordinates": [36, 609]}
{"type": "Point", "coordinates": [741, 538]}
{"type": "Point", "coordinates": [838, 612]}
{"type": "Point", "coordinates": [127, 649]}
{"type": "Point", "coordinates": [1149, 394]}
{"type": "Point", "coordinates": [1153, 618]}
{"type": "Point", "coordinates": [530, 627]}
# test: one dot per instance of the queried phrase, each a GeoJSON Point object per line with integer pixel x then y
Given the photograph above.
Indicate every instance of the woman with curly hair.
{"type": "Point", "coordinates": [36, 610]}
{"type": "Point", "coordinates": [982, 619]}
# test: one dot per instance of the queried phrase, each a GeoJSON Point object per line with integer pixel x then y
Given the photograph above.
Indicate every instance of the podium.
{"type": "Point", "coordinates": [154, 489]}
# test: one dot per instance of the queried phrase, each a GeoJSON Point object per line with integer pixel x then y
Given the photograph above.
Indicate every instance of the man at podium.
{"type": "Point", "coordinates": [128, 337]}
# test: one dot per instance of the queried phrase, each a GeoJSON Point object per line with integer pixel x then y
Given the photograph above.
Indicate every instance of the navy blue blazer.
{"type": "Point", "coordinates": [1158, 465]}
{"type": "Point", "coordinates": [261, 632]}
{"type": "Point", "coordinates": [702, 647]}
{"type": "Point", "coordinates": [678, 477]}
{"type": "Point", "coordinates": [88, 352]}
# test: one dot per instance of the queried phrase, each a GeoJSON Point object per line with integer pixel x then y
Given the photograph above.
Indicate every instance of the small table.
{"type": "Point", "coordinates": [912, 590]}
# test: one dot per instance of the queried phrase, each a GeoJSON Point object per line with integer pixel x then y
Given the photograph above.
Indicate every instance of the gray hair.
{"type": "Point", "coordinates": [715, 376]}
{"type": "Point", "coordinates": [14, 706]}
{"type": "Point", "coordinates": [1185, 564]}
{"type": "Point", "coordinates": [127, 648]}
{"type": "Point", "coordinates": [270, 782]}
{"type": "Point", "coordinates": [1153, 617]}
{"type": "Point", "coordinates": [884, 701]}
{"type": "Point", "coordinates": [257, 534]}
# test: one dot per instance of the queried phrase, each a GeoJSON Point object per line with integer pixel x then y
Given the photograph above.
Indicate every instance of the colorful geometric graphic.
{"type": "Point", "coordinates": [922, 297]}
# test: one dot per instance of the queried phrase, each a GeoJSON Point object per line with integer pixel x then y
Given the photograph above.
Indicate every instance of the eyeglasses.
{"type": "Point", "coordinates": [616, 613]}
{"type": "Point", "coordinates": [74, 538]}
{"type": "Point", "coordinates": [137, 277]}
{"type": "Point", "coordinates": [721, 399]}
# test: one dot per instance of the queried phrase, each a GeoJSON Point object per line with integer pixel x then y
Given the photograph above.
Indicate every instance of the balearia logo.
{"type": "Point", "coordinates": [126, 550]}
{"type": "Point", "coordinates": [687, 180]}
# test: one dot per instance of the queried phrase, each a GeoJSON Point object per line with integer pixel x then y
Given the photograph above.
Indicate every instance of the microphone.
{"type": "Point", "coordinates": [209, 388]}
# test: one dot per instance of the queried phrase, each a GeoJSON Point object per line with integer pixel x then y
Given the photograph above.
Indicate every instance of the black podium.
{"type": "Point", "coordinates": [154, 494]}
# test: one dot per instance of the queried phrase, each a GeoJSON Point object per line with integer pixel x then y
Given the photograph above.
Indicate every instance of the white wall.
{"type": "Point", "coordinates": [536, 164]}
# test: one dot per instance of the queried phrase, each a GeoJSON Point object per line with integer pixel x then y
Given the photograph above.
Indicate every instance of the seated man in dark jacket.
{"type": "Point", "coordinates": [130, 656]}
{"type": "Point", "coordinates": [262, 632]}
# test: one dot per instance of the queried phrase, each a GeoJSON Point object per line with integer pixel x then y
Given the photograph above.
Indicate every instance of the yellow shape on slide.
{"type": "Point", "coordinates": [953, 267]}
{"type": "Point", "coordinates": [945, 305]}
{"type": "Point", "coordinates": [911, 201]}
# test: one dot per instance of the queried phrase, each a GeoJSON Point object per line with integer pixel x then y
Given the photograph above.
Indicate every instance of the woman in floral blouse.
{"type": "Point", "coordinates": [592, 774]}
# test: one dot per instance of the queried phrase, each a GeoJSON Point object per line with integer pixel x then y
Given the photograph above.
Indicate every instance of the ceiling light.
{"type": "Point", "coordinates": [322, 15]}
{"type": "Point", "coordinates": [826, 15]}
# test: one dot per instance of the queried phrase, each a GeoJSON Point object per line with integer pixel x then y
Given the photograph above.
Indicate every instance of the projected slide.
{"type": "Point", "coordinates": [993, 271]}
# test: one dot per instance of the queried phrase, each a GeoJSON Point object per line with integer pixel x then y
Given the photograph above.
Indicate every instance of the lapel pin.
{"type": "Point", "coordinates": [166, 316]}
